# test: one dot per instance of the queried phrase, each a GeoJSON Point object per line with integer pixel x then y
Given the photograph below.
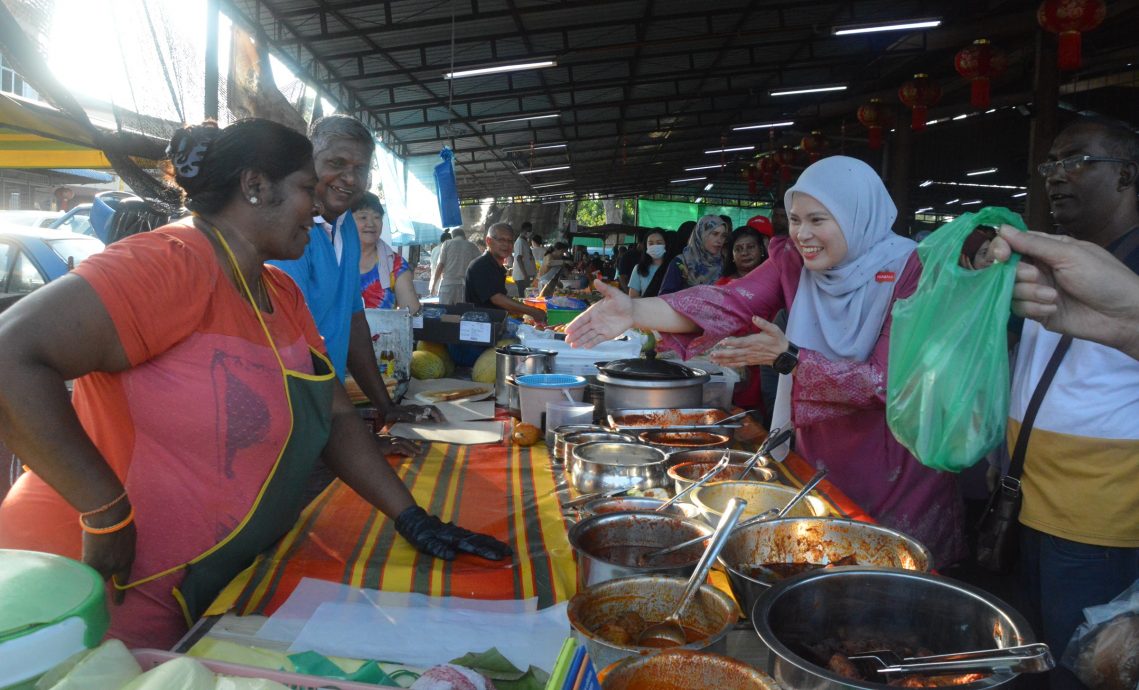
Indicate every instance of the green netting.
{"type": "Point", "coordinates": [588, 242]}
{"type": "Point", "coordinates": [670, 214]}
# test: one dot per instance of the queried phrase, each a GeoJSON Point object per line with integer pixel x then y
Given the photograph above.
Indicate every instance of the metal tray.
{"type": "Point", "coordinates": [686, 419]}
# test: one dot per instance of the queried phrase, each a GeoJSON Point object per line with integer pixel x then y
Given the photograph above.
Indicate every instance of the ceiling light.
{"type": "Point", "coordinates": [552, 168]}
{"type": "Point", "coordinates": [698, 200]}
{"type": "Point", "coordinates": [931, 122]}
{"type": "Point", "coordinates": [926, 183]}
{"type": "Point", "coordinates": [708, 186]}
{"type": "Point", "coordinates": [731, 149]}
{"type": "Point", "coordinates": [960, 117]}
{"type": "Point", "coordinates": [990, 110]}
{"type": "Point", "coordinates": [982, 171]}
{"type": "Point", "coordinates": [517, 118]}
{"type": "Point", "coordinates": [923, 210]}
{"type": "Point", "coordinates": [534, 147]}
{"type": "Point", "coordinates": [951, 202]}
{"type": "Point", "coordinates": [688, 179]}
{"type": "Point", "coordinates": [551, 184]}
{"type": "Point", "coordinates": [495, 69]}
{"type": "Point", "coordinates": [901, 25]}
{"type": "Point", "coordinates": [805, 89]}
{"type": "Point", "coordinates": [764, 125]}
{"type": "Point", "coordinates": [703, 167]}
{"type": "Point", "coordinates": [1019, 194]}
{"type": "Point", "coordinates": [972, 202]}
{"type": "Point", "coordinates": [560, 201]}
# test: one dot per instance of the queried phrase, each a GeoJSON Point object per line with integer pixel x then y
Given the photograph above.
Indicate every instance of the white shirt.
{"type": "Point", "coordinates": [334, 233]}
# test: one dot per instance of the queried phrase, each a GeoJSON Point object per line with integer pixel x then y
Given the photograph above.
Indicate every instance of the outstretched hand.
{"type": "Point", "coordinates": [445, 540]}
{"type": "Point", "coordinates": [605, 320]}
{"type": "Point", "coordinates": [755, 349]}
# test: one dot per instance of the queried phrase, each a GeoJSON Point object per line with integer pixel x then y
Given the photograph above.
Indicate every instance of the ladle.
{"type": "Point", "coordinates": [669, 633]}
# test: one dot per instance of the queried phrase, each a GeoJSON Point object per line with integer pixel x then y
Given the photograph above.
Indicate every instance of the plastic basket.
{"type": "Point", "coordinates": [149, 658]}
{"type": "Point", "coordinates": [556, 317]}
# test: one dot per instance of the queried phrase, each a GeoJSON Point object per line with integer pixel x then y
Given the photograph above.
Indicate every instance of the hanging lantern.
{"type": "Point", "coordinates": [767, 169]}
{"type": "Point", "coordinates": [815, 144]}
{"type": "Point", "coordinates": [752, 179]}
{"type": "Point", "coordinates": [785, 157]}
{"type": "Point", "coordinates": [919, 94]}
{"type": "Point", "coordinates": [1069, 19]}
{"type": "Point", "coordinates": [978, 63]}
{"type": "Point", "coordinates": [874, 116]}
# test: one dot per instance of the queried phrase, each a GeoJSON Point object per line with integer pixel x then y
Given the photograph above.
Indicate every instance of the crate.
{"type": "Point", "coordinates": [556, 317]}
{"type": "Point", "coordinates": [149, 658]}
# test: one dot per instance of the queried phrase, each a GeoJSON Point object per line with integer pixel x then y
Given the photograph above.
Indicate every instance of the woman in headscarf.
{"type": "Point", "coordinates": [702, 260]}
{"type": "Point", "coordinates": [838, 277]}
{"type": "Point", "coordinates": [385, 277]}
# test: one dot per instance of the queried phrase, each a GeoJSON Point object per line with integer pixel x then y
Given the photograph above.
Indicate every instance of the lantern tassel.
{"type": "Point", "coordinates": [979, 97]}
{"type": "Point", "coordinates": [875, 137]}
{"type": "Point", "coordinates": [1069, 50]}
{"type": "Point", "coordinates": [917, 121]}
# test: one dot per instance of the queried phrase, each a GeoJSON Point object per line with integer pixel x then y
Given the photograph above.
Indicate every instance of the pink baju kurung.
{"type": "Point", "coordinates": [838, 407]}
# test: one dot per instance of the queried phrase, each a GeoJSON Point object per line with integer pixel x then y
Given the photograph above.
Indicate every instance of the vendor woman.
{"type": "Point", "coordinates": [203, 395]}
{"type": "Point", "coordinates": [839, 278]}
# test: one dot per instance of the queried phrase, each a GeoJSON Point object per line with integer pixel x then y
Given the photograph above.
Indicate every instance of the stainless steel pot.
{"type": "Point", "coordinates": [625, 504]}
{"type": "Point", "coordinates": [608, 545]}
{"type": "Point", "coordinates": [605, 466]}
{"type": "Point", "coordinates": [651, 384]}
{"type": "Point", "coordinates": [561, 432]}
{"type": "Point", "coordinates": [878, 606]}
{"type": "Point", "coordinates": [681, 668]}
{"type": "Point", "coordinates": [513, 401]}
{"type": "Point", "coordinates": [516, 360]}
{"type": "Point", "coordinates": [572, 441]}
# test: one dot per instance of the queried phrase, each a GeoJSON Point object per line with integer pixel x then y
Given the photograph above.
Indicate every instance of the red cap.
{"type": "Point", "coordinates": [762, 224]}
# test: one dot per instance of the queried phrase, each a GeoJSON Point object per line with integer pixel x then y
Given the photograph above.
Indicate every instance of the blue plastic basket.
{"type": "Point", "coordinates": [551, 380]}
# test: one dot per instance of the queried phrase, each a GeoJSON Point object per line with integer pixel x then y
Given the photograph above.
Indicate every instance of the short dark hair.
{"type": "Point", "coordinates": [340, 127]}
{"type": "Point", "coordinates": [737, 234]}
{"type": "Point", "coordinates": [208, 161]}
{"type": "Point", "coordinates": [1118, 138]}
{"type": "Point", "coordinates": [371, 202]}
{"type": "Point", "coordinates": [526, 226]}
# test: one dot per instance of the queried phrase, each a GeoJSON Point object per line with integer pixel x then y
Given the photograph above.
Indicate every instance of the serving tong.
{"type": "Point", "coordinates": [1029, 658]}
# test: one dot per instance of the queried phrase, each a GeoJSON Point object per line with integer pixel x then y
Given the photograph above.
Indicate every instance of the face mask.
{"type": "Point", "coordinates": [656, 251]}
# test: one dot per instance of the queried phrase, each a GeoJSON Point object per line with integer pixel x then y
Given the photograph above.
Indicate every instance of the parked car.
{"type": "Point", "coordinates": [31, 258]}
{"type": "Point", "coordinates": [33, 219]}
{"type": "Point", "coordinates": [77, 220]}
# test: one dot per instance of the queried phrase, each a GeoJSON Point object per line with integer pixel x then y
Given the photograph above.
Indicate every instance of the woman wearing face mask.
{"type": "Point", "coordinates": [702, 260]}
{"type": "Point", "coordinates": [838, 277]}
{"type": "Point", "coordinates": [385, 277]}
{"type": "Point", "coordinates": [651, 260]}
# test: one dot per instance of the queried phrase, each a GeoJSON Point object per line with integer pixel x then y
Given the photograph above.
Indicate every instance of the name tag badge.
{"type": "Point", "coordinates": [885, 276]}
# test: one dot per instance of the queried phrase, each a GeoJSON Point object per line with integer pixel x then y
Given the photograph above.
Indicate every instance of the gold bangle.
{"type": "Point", "coordinates": [106, 507]}
{"type": "Point", "coordinates": [108, 530]}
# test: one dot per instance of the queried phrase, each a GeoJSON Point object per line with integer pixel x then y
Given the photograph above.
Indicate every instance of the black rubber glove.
{"type": "Point", "coordinates": [431, 535]}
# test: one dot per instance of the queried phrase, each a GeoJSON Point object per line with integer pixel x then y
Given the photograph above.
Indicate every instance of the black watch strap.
{"type": "Point", "coordinates": [786, 362]}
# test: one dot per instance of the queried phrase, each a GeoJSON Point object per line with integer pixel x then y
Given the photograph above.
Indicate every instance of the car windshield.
{"type": "Point", "coordinates": [74, 250]}
{"type": "Point", "coordinates": [79, 224]}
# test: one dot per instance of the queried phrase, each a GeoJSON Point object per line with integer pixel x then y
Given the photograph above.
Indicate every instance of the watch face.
{"type": "Point", "coordinates": [785, 363]}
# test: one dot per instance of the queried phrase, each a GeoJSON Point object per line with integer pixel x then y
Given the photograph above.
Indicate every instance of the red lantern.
{"type": "Point", "coordinates": [1068, 19]}
{"type": "Point", "coordinates": [919, 93]}
{"type": "Point", "coordinates": [767, 168]}
{"type": "Point", "coordinates": [874, 116]}
{"type": "Point", "coordinates": [978, 63]}
{"type": "Point", "coordinates": [785, 157]}
{"type": "Point", "coordinates": [752, 176]}
{"type": "Point", "coordinates": [815, 144]}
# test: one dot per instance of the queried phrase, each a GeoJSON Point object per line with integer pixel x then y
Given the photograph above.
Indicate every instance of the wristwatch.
{"type": "Point", "coordinates": [786, 362]}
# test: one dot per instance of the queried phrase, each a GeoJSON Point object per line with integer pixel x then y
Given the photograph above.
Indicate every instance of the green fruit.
{"type": "Point", "coordinates": [649, 342]}
{"type": "Point", "coordinates": [439, 350]}
{"type": "Point", "coordinates": [485, 367]}
{"type": "Point", "coordinates": [425, 365]}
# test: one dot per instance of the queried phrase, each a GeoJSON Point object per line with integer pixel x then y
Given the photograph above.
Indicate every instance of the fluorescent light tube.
{"type": "Point", "coordinates": [731, 149]}
{"type": "Point", "coordinates": [688, 179]}
{"type": "Point", "coordinates": [495, 69]}
{"type": "Point", "coordinates": [973, 202]}
{"type": "Point", "coordinates": [903, 25]}
{"type": "Point", "coordinates": [552, 168]}
{"type": "Point", "coordinates": [703, 167]}
{"type": "Point", "coordinates": [708, 186]}
{"type": "Point", "coordinates": [1017, 196]}
{"type": "Point", "coordinates": [517, 118]}
{"type": "Point", "coordinates": [535, 147]}
{"type": "Point", "coordinates": [805, 89]}
{"type": "Point", "coordinates": [951, 202]}
{"type": "Point", "coordinates": [982, 171]}
{"type": "Point", "coordinates": [764, 125]}
{"type": "Point", "coordinates": [923, 210]}
{"type": "Point", "coordinates": [926, 183]}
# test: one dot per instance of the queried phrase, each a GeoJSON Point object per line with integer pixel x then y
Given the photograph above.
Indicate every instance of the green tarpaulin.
{"type": "Point", "coordinates": [588, 242]}
{"type": "Point", "coordinates": [670, 214]}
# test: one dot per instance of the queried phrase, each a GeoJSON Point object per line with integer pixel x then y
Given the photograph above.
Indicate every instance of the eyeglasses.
{"type": "Point", "coordinates": [501, 239]}
{"type": "Point", "coordinates": [1074, 163]}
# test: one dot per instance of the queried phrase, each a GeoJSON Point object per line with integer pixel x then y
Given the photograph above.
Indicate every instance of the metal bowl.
{"type": "Point", "coordinates": [566, 430]}
{"type": "Point", "coordinates": [681, 668]}
{"type": "Point", "coordinates": [686, 473]}
{"type": "Point", "coordinates": [605, 466]}
{"type": "Point", "coordinates": [760, 496]}
{"type": "Point", "coordinates": [813, 540]}
{"type": "Point", "coordinates": [879, 606]}
{"type": "Point", "coordinates": [625, 504]}
{"type": "Point", "coordinates": [672, 441]}
{"type": "Point", "coordinates": [712, 612]}
{"type": "Point", "coordinates": [572, 441]}
{"type": "Point", "coordinates": [608, 545]}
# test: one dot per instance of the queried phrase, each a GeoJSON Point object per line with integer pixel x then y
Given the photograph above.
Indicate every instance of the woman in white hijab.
{"type": "Point", "coordinates": [839, 276]}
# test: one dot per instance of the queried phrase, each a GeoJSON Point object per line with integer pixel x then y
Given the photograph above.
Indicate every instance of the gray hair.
{"type": "Point", "coordinates": [500, 224]}
{"type": "Point", "coordinates": [340, 127]}
{"type": "Point", "coordinates": [458, 232]}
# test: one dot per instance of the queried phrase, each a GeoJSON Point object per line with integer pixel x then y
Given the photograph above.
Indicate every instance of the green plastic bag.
{"type": "Point", "coordinates": [948, 385]}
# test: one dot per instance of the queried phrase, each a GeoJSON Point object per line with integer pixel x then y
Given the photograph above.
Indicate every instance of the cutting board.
{"type": "Point", "coordinates": [460, 433]}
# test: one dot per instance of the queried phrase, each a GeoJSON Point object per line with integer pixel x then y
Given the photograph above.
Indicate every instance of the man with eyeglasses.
{"type": "Point", "coordinates": [1080, 484]}
{"type": "Point", "coordinates": [486, 276]}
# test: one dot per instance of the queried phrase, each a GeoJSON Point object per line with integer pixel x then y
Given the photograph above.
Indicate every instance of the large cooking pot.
{"type": "Point", "coordinates": [651, 384]}
{"type": "Point", "coordinates": [606, 466]}
{"type": "Point", "coordinates": [608, 545]}
{"type": "Point", "coordinates": [571, 441]}
{"type": "Point", "coordinates": [711, 612]}
{"type": "Point", "coordinates": [682, 668]}
{"type": "Point", "coordinates": [516, 360]}
{"type": "Point", "coordinates": [819, 541]}
{"type": "Point", "coordinates": [882, 607]}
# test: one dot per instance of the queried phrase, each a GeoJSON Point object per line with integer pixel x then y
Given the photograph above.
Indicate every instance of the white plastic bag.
{"type": "Point", "coordinates": [1104, 650]}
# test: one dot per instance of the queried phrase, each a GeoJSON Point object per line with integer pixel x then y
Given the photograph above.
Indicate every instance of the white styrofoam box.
{"type": "Point", "coordinates": [580, 361]}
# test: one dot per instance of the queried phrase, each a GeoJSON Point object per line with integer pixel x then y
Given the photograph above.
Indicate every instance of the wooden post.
{"type": "Point", "coordinates": [1042, 130]}
{"type": "Point", "coordinates": [211, 86]}
{"type": "Point", "coordinates": [901, 157]}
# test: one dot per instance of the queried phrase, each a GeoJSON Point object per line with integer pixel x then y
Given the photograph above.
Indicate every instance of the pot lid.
{"type": "Point", "coordinates": [649, 370]}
